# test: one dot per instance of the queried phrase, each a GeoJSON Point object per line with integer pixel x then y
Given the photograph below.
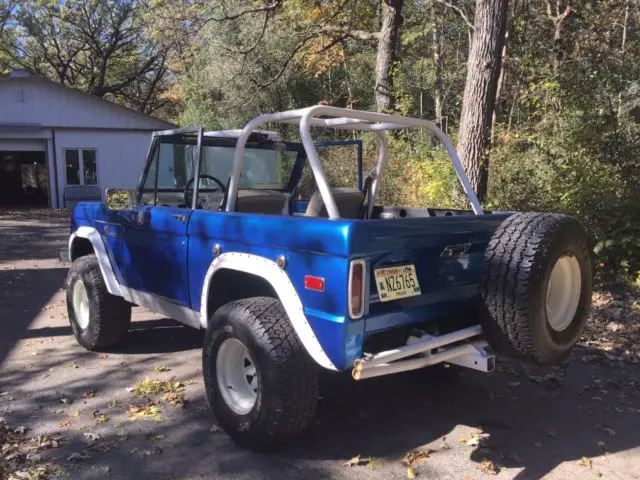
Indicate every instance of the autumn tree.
{"type": "Point", "coordinates": [480, 90]}
{"type": "Point", "coordinates": [98, 46]}
{"type": "Point", "coordinates": [387, 53]}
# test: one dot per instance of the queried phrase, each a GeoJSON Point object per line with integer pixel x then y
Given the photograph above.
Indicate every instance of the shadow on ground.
{"type": "Point", "coordinates": [534, 422]}
{"type": "Point", "coordinates": [24, 294]}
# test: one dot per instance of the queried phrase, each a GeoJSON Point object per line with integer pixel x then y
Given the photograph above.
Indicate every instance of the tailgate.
{"type": "Point", "coordinates": [443, 254]}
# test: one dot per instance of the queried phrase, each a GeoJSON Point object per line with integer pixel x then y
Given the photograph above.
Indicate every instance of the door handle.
{"type": "Point", "coordinates": [180, 218]}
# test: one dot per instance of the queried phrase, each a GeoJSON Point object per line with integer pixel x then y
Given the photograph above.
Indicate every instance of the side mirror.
{"type": "Point", "coordinates": [120, 199]}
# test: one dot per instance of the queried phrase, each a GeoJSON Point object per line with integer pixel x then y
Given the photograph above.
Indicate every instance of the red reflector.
{"type": "Point", "coordinates": [314, 283]}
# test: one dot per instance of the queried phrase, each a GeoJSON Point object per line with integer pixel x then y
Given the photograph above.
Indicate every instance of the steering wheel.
{"type": "Point", "coordinates": [188, 190]}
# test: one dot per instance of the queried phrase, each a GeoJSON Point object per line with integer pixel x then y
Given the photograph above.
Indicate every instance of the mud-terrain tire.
{"type": "Point", "coordinates": [256, 332]}
{"type": "Point", "coordinates": [102, 319]}
{"type": "Point", "coordinates": [537, 286]}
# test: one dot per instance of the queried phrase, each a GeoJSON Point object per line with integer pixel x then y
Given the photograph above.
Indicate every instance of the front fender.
{"type": "Point", "coordinates": [281, 284]}
{"type": "Point", "coordinates": [92, 234]}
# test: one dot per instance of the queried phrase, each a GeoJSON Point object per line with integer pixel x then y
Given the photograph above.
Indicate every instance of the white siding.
{"type": "Point", "coordinates": [32, 100]}
{"type": "Point", "coordinates": [120, 155]}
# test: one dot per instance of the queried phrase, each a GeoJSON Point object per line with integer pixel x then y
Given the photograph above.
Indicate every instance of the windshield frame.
{"type": "Point", "coordinates": [196, 136]}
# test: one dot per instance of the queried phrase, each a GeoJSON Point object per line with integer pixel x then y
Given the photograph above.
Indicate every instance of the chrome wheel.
{"type": "Point", "coordinates": [237, 376]}
{"type": "Point", "coordinates": [563, 292]}
{"type": "Point", "coordinates": [81, 304]}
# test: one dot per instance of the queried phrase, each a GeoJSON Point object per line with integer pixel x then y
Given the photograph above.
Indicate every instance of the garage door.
{"type": "Point", "coordinates": [23, 174]}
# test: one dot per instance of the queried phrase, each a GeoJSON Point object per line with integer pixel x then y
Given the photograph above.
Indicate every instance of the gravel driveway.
{"type": "Point", "coordinates": [77, 414]}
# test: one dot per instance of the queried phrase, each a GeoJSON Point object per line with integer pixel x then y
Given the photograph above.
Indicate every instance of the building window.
{"type": "Point", "coordinates": [82, 167]}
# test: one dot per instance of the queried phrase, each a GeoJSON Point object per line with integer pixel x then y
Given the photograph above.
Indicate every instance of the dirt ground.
{"type": "Point", "coordinates": [75, 414]}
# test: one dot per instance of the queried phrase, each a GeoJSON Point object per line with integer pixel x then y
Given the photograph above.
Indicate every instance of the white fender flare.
{"type": "Point", "coordinates": [279, 280]}
{"type": "Point", "coordinates": [91, 234]}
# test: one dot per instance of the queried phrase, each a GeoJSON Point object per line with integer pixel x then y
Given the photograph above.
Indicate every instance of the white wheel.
{"type": "Point", "coordinates": [237, 376]}
{"type": "Point", "coordinates": [81, 304]}
{"type": "Point", "coordinates": [563, 292]}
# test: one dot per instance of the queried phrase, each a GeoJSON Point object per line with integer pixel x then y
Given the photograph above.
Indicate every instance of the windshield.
{"type": "Point", "coordinates": [264, 168]}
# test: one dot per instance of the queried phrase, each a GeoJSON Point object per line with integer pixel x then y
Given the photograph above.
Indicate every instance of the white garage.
{"type": "Point", "coordinates": [53, 136]}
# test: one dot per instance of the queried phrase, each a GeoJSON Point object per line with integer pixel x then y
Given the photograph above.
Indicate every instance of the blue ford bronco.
{"type": "Point", "coordinates": [216, 237]}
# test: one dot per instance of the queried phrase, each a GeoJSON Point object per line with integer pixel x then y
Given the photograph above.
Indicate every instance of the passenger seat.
{"type": "Point", "coordinates": [348, 200]}
{"type": "Point", "coordinates": [269, 202]}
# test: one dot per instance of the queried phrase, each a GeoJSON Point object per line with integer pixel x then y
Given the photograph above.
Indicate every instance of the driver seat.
{"type": "Point", "coordinates": [348, 200]}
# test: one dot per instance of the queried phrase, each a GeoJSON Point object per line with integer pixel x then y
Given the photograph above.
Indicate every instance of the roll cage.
{"type": "Point", "coordinates": [316, 116]}
{"type": "Point", "coordinates": [345, 119]}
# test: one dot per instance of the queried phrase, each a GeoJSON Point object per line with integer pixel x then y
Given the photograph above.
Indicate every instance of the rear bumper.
{"type": "Point", "coordinates": [464, 347]}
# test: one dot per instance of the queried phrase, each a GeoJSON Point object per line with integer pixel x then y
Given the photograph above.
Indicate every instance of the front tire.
{"type": "Point", "coordinates": [98, 319]}
{"type": "Point", "coordinates": [261, 384]}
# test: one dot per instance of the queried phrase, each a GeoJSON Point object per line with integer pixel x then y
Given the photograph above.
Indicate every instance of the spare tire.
{"type": "Point", "coordinates": [536, 287]}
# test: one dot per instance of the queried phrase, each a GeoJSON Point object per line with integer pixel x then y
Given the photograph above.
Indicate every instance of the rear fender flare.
{"type": "Point", "coordinates": [281, 284]}
{"type": "Point", "coordinates": [92, 234]}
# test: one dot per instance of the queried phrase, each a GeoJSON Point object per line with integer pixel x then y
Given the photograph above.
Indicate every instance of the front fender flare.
{"type": "Point", "coordinates": [92, 234]}
{"type": "Point", "coordinates": [281, 284]}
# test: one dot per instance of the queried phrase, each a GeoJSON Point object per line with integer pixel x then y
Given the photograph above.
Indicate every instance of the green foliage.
{"type": "Point", "coordinates": [565, 141]}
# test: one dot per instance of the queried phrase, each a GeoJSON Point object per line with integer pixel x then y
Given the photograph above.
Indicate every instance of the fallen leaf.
{"type": "Point", "coordinates": [416, 456]}
{"type": "Point", "coordinates": [104, 355]}
{"type": "Point", "coordinates": [65, 423]}
{"type": "Point", "coordinates": [610, 431]}
{"type": "Point", "coordinates": [353, 462]}
{"type": "Point", "coordinates": [487, 466]}
{"type": "Point", "coordinates": [145, 411]}
{"type": "Point", "coordinates": [373, 463]}
{"type": "Point", "coordinates": [101, 419]}
{"type": "Point", "coordinates": [163, 368]}
{"type": "Point", "coordinates": [89, 394]}
{"type": "Point", "coordinates": [158, 437]}
{"type": "Point", "coordinates": [551, 433]}
{"type": "Point", "coordinates": [411, 474]}
{"type": "Point", "coordinates": [91, 437]}
{"type": "Point", "coordinates": [586, 462]}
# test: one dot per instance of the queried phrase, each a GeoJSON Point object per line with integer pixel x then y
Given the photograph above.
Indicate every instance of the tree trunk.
{"type": "Point", "coordinates": [558, 21]}
{"type": "Point", "coordinates": [438, 62]}
{"type": "Point", "coordinates": [387, 53]}
{"type": "Point", "coordinates": [483, 68]}
{"type": "Point", "coordinates": [623, 51]}
{"type": "Point", "coordinates": [504, 58]}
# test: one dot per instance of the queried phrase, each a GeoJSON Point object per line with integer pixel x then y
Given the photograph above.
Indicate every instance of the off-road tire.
{"type": "Point", "coordinates": [288, 379]}
{"type": "Point", "coordinates": [518, 263]}
{"type": "Point", "coordinates": [109, 315]}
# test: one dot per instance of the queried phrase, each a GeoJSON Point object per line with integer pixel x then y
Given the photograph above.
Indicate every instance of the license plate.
{"type": "Point", "coordinates": [396, 282]}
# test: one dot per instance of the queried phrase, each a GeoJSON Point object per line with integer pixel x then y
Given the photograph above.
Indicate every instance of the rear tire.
{"type": "Point", "coordinates": [261, 384]}
{"type": "Point", "coordinates": [537, 286]}
{"type": "Point", "coordinates": [98, 319]}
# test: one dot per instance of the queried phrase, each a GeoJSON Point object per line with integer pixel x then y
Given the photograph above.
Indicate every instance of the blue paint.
{"type": "Point", "coordinates": [166, 252]}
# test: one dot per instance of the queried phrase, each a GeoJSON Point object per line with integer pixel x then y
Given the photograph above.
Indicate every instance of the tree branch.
{"type": "Point", "coordinates": [463, 15]}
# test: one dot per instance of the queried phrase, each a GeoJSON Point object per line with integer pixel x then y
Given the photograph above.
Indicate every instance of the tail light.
{"type": "Point", "coordinates": [357, 283]}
